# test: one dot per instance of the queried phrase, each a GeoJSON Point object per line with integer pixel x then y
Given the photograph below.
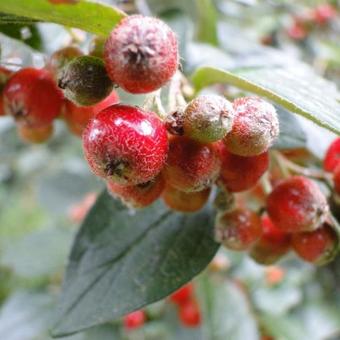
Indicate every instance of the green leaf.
{"type": "Point", "coordinates": [28, 34]}
{"type": "Point", "coordinates": [226, 311]}
{"type": "Point", "coordinates": [123, 260]}
{"type": "Point", "coordinates": [291, 133]}
{"type": "Point", "coordinates": [207, 22]}
{"type": "Point", "coordinates": [286, 328]}
{"type": "Point", "coordinates": [89, 16]}
{"type": "Point", "coordinates": [296, 88]}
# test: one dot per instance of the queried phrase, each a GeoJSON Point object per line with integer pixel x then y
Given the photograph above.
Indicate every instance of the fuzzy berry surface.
{"type": "Point", "coordinates": [191, 166]}
{"type": "Point", "coordinates": [85, 81]}
{"type": "Point", "coordinates": [272, 245]}
{"type": "Point", "coordinates": [318, 246]}
{"type": "Point", "coordinates": [77, 117]}
{"type": "Point", "coordinates": [32, 97]}
{"type": "Point", "coordinates": [332, 156]}
{"type": "Point", "coordinates": [4, 76]}
{"type": "Point", "coordinates": [126, 145]}
{"type": "Point", "coordinates": [189, 314]}
{"type": "Point", "coordinates": [185, 201]}
{"type": "Point", "coordinates": [183, 294]}
{"type": "Point", "coordinates": [141, 54]}
{"type": "Point", "coordinates": [238, 229]}
{"type": "Point", "coordinates": [35, 135]}
{"type": "Point", "coordinates": [134, 320]}
{"type": "Point", "coordinates": [297, 204]}
{"type": "Point", "coordinates": [208, 118]}
{"type": "Point", "coordinates": [240, 173]}
{"type": "Point", "coordinates": [255, 128]}
{"type": "Point", "coordinates": [140, 195]}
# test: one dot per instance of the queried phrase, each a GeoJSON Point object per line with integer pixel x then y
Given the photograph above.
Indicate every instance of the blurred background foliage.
{"type": "Point", "coordinates": [41, 187]}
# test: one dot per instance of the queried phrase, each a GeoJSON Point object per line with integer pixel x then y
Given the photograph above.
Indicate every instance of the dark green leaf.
{"type": "Point", "coordinates": [296, 88]}
{"type": "Point", "coordinates": [90, 16]}
{"type": "Point", "coordinates": [28, 34]}
{"type": "Point", "coordinates": [226, 311]}
{"type": "Point", "coordinates": [123, 260]}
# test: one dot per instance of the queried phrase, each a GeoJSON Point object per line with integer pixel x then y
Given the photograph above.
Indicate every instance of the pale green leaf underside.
{"type": "Point", "coordinates": [87, 15]}
{"type": "Point", "coordinates": [296, 88]}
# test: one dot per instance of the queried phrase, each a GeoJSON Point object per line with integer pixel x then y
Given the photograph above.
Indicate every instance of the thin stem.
{"type": "Point", "coordinates": [176, 98]}
{"type": "Point", "coordinates": [288, 165]}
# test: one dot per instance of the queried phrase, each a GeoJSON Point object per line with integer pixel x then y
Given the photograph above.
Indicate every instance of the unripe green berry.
{"type": "Point", "coordinates": [85, 81]}
{"type": "Point", "coordinates": [208, 118]}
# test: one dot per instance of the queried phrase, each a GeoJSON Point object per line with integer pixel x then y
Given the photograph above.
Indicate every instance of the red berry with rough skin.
{"type": "Point", "coordinates": [191, 166]}
{"type": "Point", "coordinates": [185, 201]}
{"type": "Point", "coordinates": [332, 157]}
{"type": "Point", "coordinates": [4, 76]}
{"type": "Point", "coordinates": [77, 117]}
{"type": "Point", "coordinates": [336, 179]}
{"type": "Point", "coordinates": [272, 245]}
{"type": "Point", "coordinates": [208, 118]}
{"type": "Point", "coordinates": [183, 294]}
{"type": "Point", "coordinates": [35, 135]}
{"type": "Point", "coordinates": [141, 54]}
{"type": "Point", "coordinates": [318, 246]}
{"type": "Point", "coordinates": [240, 173]}
{"type": "Point", "coordinates": [32, 97]}
{"type": "Point", "coordinates": [60, 58]}
{"type": "Point", "coordinates": [297, 204]}
{"type": "Point", "coordinates": [134, 320]}
{"type": "Point", "coordinates": [126, 145]}
{"type": "Point", "coordinates": [255, 128]}
{"type": "Point", "coordinates": [140, 195]}
{"type": "Point", "coordinates": [297, 31]}
{"type": "Point", "coordinates": [238, 229]}
{"type": "Point", "coordinates": [189, 314]}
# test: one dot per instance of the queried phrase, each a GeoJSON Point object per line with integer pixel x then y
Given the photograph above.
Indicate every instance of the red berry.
{"type": "Point", "coordinates": [332, 157]}
{"type": "Point", "coordinates": [60, 58]}
{"type": "Point", "coordinates": [185, 201]}
{"type": "Point", "coordinates": [32, 97]}
{"type": "Point", "coordinates": [297, 31]}
{"type": "Point", "coordinates": [255, 127]}
{"type": "Point", "coordinates": [140, 195]}
{"type": "Point", "coordinates": [191, 166]}
{"type": "Point", "coordinates": [190, 314]}
{"type": "Point", "coordinates": [323, 13]}
{"type": "Point", "coordinates": [125, 144]}
{"type": "Point", "coordinates": [4, 76]}
{"type": "Point", "coordinates": [134, 320]}
{"type": "Point", "coordinates": [272, 245]}
{"type": "Point", "coordinates": [238, 229]}
{"type": "Point", "coordinates": [35, 135]}
{"type": "Point", "coordinates": [336, 179]}
{"type": "Point", "coordinates": [208, 118]}
{"type": "Point", "coordinates": [77, 117]}
{"type": "Point", "coordinates": [297, 204]}
{"type": "Point", "coordinates": [183, 294]}
{"type": "Point", "coordinates": [318, 246]}
{"type": "Point", "coordinates": [240, 173]}
{"type": "Point", "coordinates": [141, 54]}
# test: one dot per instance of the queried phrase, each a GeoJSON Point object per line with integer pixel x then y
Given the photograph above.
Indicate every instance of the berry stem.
{"type": "Point", "coordinates": [153, 100]}
{"type": "Point", "coordinates": [176, 98]}
{"type": "Point", "coordinates": [266, 185]}
{"type": "Point", "coordinates": [286, 165]}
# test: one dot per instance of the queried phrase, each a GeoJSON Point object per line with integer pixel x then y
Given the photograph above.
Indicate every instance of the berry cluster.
{"type": "Point", "coordinates": [304, 23]}
{"type": "Point", "coordinates": [297, 218]}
